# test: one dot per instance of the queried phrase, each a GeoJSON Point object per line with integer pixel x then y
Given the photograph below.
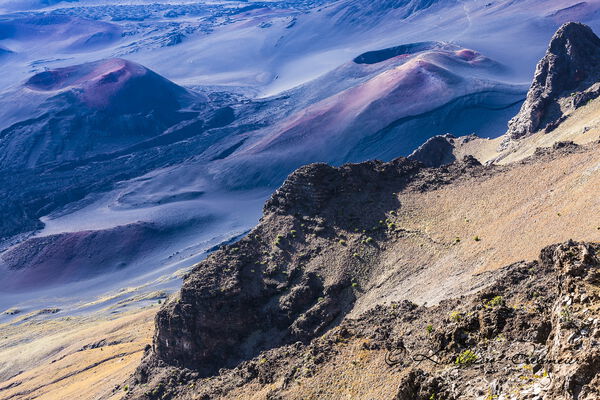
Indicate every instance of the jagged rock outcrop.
{"type": "Point", "coordinates": [534, 333]}
{"type": "Point", "coordinates": [270, 289]}
{"type": "Point", "coordinates": [566, 78]}
{"type": "Point", "coordinates": [436, 151]}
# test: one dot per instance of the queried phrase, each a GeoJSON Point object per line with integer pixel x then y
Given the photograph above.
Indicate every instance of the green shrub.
{"type": "Point", "coordinates": [467, 357]}
{"type": "Point", "coordinates": [495, 302]}
{"type": "Point", "coordinates": [429, 329]}
{"type": "Point", "coordinates": [278, 240]}
{"type": "Point", "coordinates": [455, 316]}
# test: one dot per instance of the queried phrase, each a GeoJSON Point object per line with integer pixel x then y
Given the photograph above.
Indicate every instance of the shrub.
{"type": "Point", "coordinates": [455, 316]}
{"type": "Point", "coordinates": [467, 357]}
{"type": "Point", "coordinates": [342, 242]}
{"type": "Point", "coordinates": [495, 302]}
{"type": "Point", "coordinates": [477, 238]}
{"type": "Point", "coordinates": [429, 328]}
{"type": "Point", "coordinates": [565, 315]}
{"type": "Point", "coordinates": [278, 240]}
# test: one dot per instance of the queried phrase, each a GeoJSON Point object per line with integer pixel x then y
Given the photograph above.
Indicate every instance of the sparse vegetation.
{"type": "Point", "coordinates": [495, 302]}
{"type": "Point", "coordinates": [429, 329]}
{"type": "Point", "coordinates": [566, 315]}
{"type": "Point", "coordinates": [467, 357]}
{"type": "Point", "coordinates": [278, 240]}
{"type": "Point", "coordinates": [455, 316]}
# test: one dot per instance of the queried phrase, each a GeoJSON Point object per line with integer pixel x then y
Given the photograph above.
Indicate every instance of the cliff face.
{"type": "Point", "coordinates": [566, 78]}
{"type": "Point", "coordinates": [289, 279]}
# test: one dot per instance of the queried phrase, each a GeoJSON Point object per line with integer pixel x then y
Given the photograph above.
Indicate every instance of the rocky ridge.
{"type": "Point", "coordinates": [566, 78]}
{"type": "Point", "coordinates": [285, 282]}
